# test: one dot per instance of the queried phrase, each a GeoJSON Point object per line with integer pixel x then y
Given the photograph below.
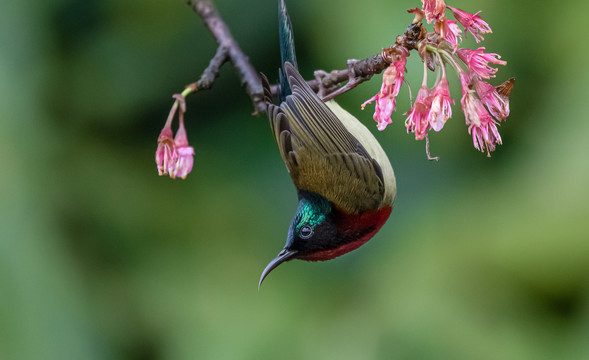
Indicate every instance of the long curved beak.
{"type": "Point", "coordinates": [283, 256]}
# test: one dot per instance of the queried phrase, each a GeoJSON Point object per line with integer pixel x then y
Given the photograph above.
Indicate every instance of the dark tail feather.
{"type": "Point", "coordinates": [287, 48]}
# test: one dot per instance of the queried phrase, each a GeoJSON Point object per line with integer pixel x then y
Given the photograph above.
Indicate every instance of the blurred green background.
{"type": "Point", "coordinates": [102, 259]}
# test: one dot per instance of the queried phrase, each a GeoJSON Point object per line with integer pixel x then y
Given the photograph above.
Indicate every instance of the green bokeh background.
{"type": "Point", "coordinates": [102, 259]}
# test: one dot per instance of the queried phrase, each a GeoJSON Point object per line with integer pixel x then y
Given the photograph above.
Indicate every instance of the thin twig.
{"type": "Point", "coordinates": [212, 71]}
{"type": "Point", "coordinates": [248, 75]}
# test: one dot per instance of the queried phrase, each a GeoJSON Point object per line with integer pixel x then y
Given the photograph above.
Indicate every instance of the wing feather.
{"type": "Point", "coordinates": [321, 155]}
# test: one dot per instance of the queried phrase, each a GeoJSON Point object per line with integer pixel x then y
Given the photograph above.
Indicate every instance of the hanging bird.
{"type": "Point", "coordinates": [344, 180]}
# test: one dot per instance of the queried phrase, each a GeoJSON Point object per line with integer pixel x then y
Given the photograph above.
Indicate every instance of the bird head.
{"type": "Point", "coordinates": [313, 230]}
{"type": "Point", "coordinates": [321, 231]}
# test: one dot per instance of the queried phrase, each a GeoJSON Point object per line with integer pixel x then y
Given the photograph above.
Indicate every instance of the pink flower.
{"type": "Point", "coordinates": [165, 155]}
{"type": "Point", "coordinates": [449, 31]}
{"type": "Point", "coordinates": [385, 104]}
{"type": "Point", "coordinates": [441, 109]}
{"type": "Point", "coordinates": [496, 102]}
{"type": "Point", "coordinates": [185, 152]}
{"type": "Point", "coordinates": [434, 9]}
{"type": "Point", "coordinates": [173, 156]}
{"type": "Point", "coordinates": [481, 125]}
{"type": "Point", "coordinates": [417, 121]}
{"type": "Point", "coordinates": [471, 22]}
{"type": "Point", "coordinates": [470, 104]}
{"type": "Point", "coordinates": [386, 98]}
{"type": "Point", "coordinates": [478, 61]}
{"type": "Point", "coordinates": [383, 110]}
{"type": "Point", "coordinates": [486, 136]}
{"type": "Point", "coordinates": [184, 163]}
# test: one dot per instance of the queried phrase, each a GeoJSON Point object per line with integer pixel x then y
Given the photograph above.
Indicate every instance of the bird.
{"type": "Point", "coordinates": [345, 183]}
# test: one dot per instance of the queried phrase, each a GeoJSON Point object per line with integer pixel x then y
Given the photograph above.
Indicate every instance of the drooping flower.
{"type": "Point", "coordinates": [486, 136]}
{"type": "Point", "coordinates": [441, 107]}
{"type": "Point", "coordinates": [165, 155]}
{"type": "Point", "coordinates": [433, 9]}
{"type": "Point", "coordinates": [185, 152]}
{"type": "Point", "coordinates": [496, 99]}
{"type": "Point", "coordinates": [471, 22]}
{"type": "Point", "coordinates": [383, 111]}
{"type": "Point", "coordinates": [481, 125]}
{"type": "Point", "coordinates": [417, 121]}
{"type": "Point", "coordinates": [449, 31]}
{"type": "Point", "coordinates": [185, 162]}
{"type": "Point", "coordinates": [478, 61]}
{"type": "Point", "coordinates": [484, 106]}
{"type": "Point", "coordinates": [174, 156]}
{"type": "Point", "coordinates": [386, 98]}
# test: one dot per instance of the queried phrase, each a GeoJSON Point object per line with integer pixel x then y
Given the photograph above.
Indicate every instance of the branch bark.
{"type": "Point", "coordinates": [212, 71]}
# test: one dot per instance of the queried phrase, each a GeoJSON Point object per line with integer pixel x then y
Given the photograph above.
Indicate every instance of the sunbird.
{"type": "Point", "coordinates": [344, 180]}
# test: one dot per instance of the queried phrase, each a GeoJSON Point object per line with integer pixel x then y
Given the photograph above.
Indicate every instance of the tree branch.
{"type": "Point", "coordinates": [358, 71]}
{"type": "Point", "coordinates": [327, 85]}
{"type": "Point", "coordinates": [212, 71]}
{"type": "Point", "coordinates": [248, 75]}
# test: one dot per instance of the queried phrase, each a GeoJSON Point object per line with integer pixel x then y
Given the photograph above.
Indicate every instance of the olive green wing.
{"type": "Point", "coordinates": [321, 155]}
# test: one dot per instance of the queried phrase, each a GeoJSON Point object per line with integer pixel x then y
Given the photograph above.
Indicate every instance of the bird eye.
{"type": "Point", "coordinates": [306, 232]}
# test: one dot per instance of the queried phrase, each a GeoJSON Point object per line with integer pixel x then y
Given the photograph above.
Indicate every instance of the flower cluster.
{"type": "Point", "coordinates": [174, 156]}
{"type": "Point", "coordinates": [483, 104]}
